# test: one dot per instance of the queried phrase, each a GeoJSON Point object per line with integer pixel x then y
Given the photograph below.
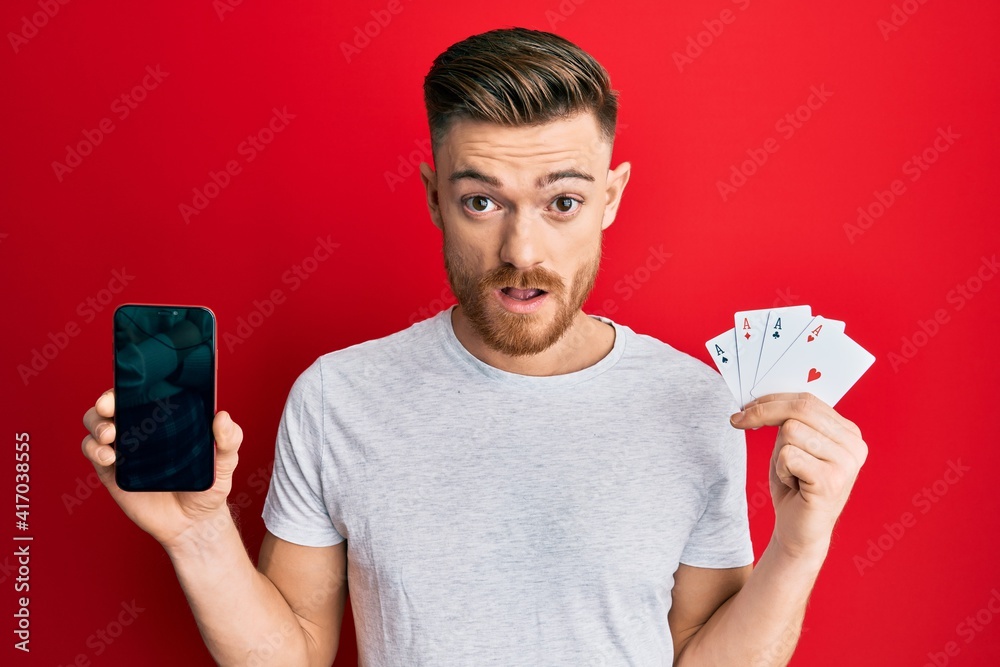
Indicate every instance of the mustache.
{"type": "Point", "coordinates": [508, 276]}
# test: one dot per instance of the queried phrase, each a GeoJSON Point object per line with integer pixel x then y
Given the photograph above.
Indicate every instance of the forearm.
{"type": "Point", "coordinates": [760, 625]}
{"type": "Point", "coordinates": [240, 613]}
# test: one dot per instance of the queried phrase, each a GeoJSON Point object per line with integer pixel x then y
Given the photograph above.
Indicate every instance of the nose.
{"type": "Point", "coordinates": [521, 245]}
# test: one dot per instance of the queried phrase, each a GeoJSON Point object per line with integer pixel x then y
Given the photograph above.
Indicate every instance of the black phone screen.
{"type": "Point", "coordinates": [164, 397]}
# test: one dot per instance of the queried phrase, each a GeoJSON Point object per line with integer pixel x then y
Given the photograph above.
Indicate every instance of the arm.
{"type": "Point", "coordinates": [287, 612]}
{"type": "Point", "coordinates": [697, 594]}
{"type": "Point", "coordinates": [817, 456]}
{"type": "Point", "coordinates": [752, 618]}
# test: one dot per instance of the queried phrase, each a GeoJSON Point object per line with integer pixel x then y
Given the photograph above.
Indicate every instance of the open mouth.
{"type": "Point", "coordinates": [522, 294]}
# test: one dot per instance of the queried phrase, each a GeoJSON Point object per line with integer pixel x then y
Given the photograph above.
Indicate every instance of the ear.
{"type": "Point", "coordinates": [617, 178]}
{"type": "Point", "coordinates": [429, 178]}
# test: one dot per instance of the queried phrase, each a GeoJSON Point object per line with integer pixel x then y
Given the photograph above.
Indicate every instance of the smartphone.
{"type": "Point", "coordinates": [165, 376]}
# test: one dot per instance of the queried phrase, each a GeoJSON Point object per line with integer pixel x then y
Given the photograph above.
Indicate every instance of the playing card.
{"type": "Point", "coordinates": [783, 327]}
{"type": "Point", "coordinates": [750, 325]}
{"type": "Point", "coordinates": [822, 360]}
{"type": "Point", "coordinates": [722, 349]}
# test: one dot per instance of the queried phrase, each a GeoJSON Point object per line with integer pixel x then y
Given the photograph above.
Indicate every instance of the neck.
{"type": "Point", "coordinates": [587, 341]}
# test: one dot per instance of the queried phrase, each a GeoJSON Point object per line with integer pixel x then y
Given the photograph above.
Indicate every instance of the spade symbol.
{"type": "Point", "coordinates": [724, 360]}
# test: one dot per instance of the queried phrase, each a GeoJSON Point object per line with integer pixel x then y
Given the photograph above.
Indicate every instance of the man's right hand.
{"type": "Point", "coordinates": [170, 517]}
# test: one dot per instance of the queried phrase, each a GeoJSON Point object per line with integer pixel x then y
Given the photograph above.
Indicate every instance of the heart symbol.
{"type": "Point", "coordinates": [813, 375]}
{"type": "Point", "coordinates": [810, 339]}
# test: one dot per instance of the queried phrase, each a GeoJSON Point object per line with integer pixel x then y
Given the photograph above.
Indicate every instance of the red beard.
{"type": "Point", "coordinates": [518, 334]}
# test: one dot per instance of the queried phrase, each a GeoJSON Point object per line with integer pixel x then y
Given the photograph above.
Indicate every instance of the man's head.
{"type": "Point", "coordinates": [522, 127]}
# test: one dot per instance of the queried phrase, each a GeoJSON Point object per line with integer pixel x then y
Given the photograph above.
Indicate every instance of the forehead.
{"type": "Point", "coordinates": [524, 153]}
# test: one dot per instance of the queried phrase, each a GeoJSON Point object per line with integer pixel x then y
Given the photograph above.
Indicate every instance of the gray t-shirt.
{"type": "Point", "coordinates": [494, 518]}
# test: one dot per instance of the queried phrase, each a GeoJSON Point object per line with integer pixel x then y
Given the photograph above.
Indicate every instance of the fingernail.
{"type": "Point", "coordinates": [107, 458]}
{"type": "Point", "coordinates": [738, 417]}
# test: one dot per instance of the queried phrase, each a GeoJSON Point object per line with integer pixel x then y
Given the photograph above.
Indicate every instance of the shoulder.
{"type": "Point", "coordinates": [680, 373]}
{"type": "Point", "coordinates": [370, 361]}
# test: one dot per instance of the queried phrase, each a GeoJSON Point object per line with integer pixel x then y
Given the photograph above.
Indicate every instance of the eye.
{"type": "Point", "coordinates": [478, 204]}
{"type": "Point", "coordinates": [566, 204]}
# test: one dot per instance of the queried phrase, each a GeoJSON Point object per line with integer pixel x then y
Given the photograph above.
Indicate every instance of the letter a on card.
{"type": "Point", "coordinates": [822, 360]}
{"type": "Point", "coordinates": [750, 327]}
{"type": "Point", "coordinates": [783, 327]}
{"type": "Point", "coordinates": [722, 349]}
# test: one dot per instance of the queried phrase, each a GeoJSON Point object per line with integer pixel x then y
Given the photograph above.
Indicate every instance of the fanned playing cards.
{"type": "Point", "coordinates": [788, 350]}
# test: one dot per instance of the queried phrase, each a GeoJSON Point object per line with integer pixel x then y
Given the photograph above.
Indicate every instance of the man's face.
{"type": "Point", "coordinates": [522, 211]}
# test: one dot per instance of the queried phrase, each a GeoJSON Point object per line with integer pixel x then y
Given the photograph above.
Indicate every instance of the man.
{"type": "Point", "coordinates": [512, 481]}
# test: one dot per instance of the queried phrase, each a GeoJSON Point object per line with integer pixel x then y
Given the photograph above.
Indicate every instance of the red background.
{"type": "Point", "coordinates": [779, 239]}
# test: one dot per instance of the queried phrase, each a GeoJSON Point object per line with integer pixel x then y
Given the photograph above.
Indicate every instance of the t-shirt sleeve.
{"type": "Point", "coordinates": [721, 537]}
{"type": "Point", "coordinates": [295, 509]}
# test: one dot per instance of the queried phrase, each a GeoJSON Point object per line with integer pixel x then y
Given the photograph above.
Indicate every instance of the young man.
{"type": "Point", "coordinates": [512, 481]}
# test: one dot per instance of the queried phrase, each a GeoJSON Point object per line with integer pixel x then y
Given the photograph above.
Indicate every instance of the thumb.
{"type": "Point", "coordinates": [228, 437]}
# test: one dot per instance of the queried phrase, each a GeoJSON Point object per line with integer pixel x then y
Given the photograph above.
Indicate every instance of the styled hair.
{"type": "Point", "coordinates": [517, 77]}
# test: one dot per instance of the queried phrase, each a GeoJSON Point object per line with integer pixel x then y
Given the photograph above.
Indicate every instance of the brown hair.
{"type": "Point", "coordinates": [517, 76]}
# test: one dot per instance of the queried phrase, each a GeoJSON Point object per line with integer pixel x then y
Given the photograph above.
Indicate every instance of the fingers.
{"type": "Point", "coordinates": [106, 404]}
{"type": "Point", "coordinates": [102, 428]}
{"type": "Point", "coordinates": [810, 441]}
{"type": "Point", "coordinates": [96, 446]}
{"type": "Point", "coordinates": [99, 421]}
{"type": "Point", "coordinates": [103, 458]}
{"type": "Point", "coordinates": [828, 483]}
{"type": "Point", "coordinates": [807, 460]}
{"type": "Point", "coordinates": [795, 468]}
{"type": "Point", "coordinates": [775, 409]}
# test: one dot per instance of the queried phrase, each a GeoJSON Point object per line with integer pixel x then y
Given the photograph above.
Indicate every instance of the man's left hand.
{"type": "Point", "coordinates": [817, 456]}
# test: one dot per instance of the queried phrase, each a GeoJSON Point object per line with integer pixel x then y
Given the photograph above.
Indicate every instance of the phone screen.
{"type": "Point", "coordinates": [164, 397]}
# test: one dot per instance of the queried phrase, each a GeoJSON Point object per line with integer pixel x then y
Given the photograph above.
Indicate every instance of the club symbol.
{"type": "Point", "coordinates": [776, 335]}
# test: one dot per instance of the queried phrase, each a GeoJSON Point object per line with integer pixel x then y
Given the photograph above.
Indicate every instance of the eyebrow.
{"type": "Point", "coordinates": [540, 183]}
